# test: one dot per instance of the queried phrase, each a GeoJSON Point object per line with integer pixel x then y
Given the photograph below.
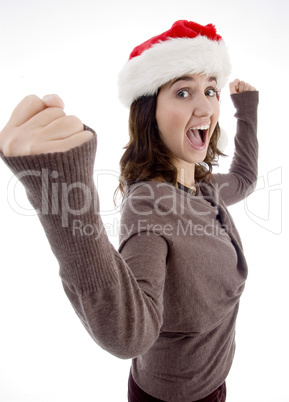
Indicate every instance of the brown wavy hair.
{"type": "Point", "coordinates": [146, 157]}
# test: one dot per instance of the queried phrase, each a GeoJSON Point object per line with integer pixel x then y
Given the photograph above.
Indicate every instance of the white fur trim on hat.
{"type": "Point", "coordinates": [143, 75]}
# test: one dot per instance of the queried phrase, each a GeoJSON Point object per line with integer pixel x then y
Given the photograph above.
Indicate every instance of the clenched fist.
{"type": "Point", "coordinates": [238, 86]}
{"type": "Point", "coordinates": [39, 126]}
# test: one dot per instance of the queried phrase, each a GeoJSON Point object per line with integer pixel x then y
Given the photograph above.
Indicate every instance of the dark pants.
{"type": "Point", "coordinates": [136, 394]}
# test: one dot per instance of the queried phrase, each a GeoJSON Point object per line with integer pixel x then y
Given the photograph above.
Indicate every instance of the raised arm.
{"type": "Point", "coordinates": [53, 156]}
{"type": "Point", "coordinates": [240, 181]}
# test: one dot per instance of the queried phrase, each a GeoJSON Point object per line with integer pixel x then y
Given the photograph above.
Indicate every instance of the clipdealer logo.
{"type": "Point", "coordinates": [55, 195]}
{"type": "Point", "coordinates": [264, 206]}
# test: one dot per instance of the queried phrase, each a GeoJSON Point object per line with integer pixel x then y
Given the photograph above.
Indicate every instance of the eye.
{"type": "Point", "coordinates": [183, 93]}
{"type": "Point", "coordinates": [212, 92]}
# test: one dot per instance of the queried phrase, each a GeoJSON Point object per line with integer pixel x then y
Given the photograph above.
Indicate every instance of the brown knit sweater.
{"type": "Point", "coordinates": [169, 297]}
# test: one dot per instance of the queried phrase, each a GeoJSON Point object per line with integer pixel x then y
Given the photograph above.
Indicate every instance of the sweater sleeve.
{"type": "Point", "coordinates": [241, 179]}
{"type": "Point", "coordinates": [117, 307]}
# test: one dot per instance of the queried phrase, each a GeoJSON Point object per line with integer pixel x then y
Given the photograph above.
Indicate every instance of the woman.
{"type": "Point", "coordinates": [169, 298]}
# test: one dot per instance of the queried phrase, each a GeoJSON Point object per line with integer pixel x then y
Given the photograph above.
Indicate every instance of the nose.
{"type": "Point", "coordinates": [203, 106]}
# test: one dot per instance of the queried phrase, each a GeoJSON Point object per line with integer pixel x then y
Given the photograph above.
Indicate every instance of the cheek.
{"type": "Point", "coordinates": [217, 110]}
{"type": "Point", "coordinates": [164, 123]}
{"type": "Point", "coordinates": [215, 118]}
{"type": "Point", "coordinates": [170, 121]}
{"type": "Point", "coordinates": [169, 128]}
{"type": "Point", "coordinates": [166, 134]}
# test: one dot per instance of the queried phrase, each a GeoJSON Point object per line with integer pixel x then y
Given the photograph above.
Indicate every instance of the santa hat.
{"type": "Point", "coordinates": [186, 48]}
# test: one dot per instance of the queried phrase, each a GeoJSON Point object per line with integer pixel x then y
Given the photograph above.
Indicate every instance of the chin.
{"type": "Point", "coordinates": [200, 158]}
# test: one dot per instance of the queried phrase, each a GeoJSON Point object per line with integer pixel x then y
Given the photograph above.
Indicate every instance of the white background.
{"type": "Point", "coordinates": [75, 49]}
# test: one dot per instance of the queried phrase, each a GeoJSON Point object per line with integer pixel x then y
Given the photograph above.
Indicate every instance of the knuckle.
{"type": "Point", "coordinates": [17, 142]}
{"type": "Point", "coordinates": [75, 122]}
{"type": "Point", "coordinates": [32, 100]}
{"type": "Point", "coordinates": [31, 97]}
{"type": "Point", "coordinates": [54, 113]}
{"type": "Point", "coordinates": [29, 106]}
{"type": "Point", "coordinates": [11, 145]}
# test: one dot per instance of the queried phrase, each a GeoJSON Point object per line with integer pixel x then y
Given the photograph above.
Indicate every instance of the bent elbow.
{"type": "Point", "coordinates": [129, 347]}
{"type": "Point", "coordinates": [251, 186]}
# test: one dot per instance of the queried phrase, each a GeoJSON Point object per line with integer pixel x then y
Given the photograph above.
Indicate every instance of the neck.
{"type": "Point", "coordinates": [186, 174]}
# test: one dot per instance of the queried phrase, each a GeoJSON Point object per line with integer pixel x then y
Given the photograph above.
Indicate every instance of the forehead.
{"type": "Point", "coordinates": [192, 78]}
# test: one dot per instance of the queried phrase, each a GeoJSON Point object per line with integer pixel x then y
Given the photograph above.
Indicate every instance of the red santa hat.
{"type": "Point", "coordinates": [186, 48]}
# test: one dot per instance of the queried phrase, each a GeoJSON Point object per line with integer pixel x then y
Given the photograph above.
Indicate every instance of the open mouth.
{"type": "Point", "coordinates": [198, 136]}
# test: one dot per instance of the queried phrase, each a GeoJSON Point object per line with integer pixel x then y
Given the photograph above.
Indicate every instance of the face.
{"type": "Point", "coordinates": [187, 113]}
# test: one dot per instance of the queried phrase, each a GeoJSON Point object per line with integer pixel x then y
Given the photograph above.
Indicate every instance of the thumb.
{"type": "Point", "coordinates": [53, 101]}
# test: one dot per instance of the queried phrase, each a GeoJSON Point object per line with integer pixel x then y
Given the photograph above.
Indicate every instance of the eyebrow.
{"type": "Point", "coordinates": [189, 78]}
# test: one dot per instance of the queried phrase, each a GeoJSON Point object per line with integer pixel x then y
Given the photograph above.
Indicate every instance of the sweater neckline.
{"type": "Point", "coordinates": [190, 191]}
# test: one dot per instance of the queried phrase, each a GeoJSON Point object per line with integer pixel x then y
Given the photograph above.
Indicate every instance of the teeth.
{"type": "Point", "coordinates": [203, 127]}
